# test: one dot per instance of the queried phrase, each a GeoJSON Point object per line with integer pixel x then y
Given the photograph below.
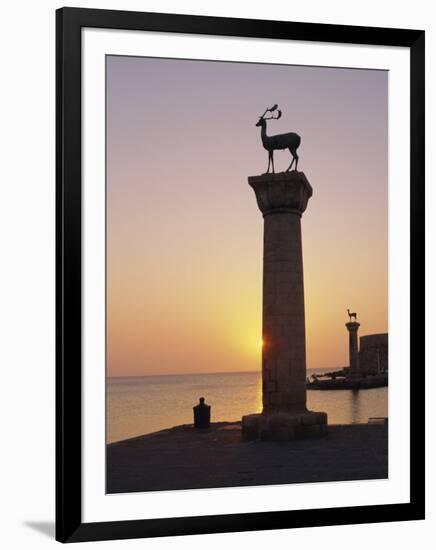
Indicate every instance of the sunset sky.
{"type": "Point", "coordinates": [184, 233]}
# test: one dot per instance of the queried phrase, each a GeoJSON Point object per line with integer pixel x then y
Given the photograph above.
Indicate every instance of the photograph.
{"type": "Point", "coordinates": [247, 334]}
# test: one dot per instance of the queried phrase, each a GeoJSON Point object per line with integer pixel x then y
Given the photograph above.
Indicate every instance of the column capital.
{"type": "Point", "coordinates": [284, 192]}
{"type": "Point", "coordinates": [352, 326]}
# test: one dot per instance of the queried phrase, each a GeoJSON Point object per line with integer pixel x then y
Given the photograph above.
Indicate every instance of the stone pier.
{"type": "Point", "coordinates": [282, 199]}
{"type": "Point", "coordinates": [353, 327]}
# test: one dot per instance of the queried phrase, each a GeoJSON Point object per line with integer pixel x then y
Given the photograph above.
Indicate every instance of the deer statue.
{"type": "Point", "coordinates": [351, 315]}
{"type": "Point", "coordinates": [289, 141]}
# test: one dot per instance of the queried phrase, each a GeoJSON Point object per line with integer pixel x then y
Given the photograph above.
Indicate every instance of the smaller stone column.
{"type": "Point", "coordinates": [353, 328]}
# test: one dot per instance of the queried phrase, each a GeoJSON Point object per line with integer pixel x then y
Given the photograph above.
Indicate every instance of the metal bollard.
{"type": "Point", "coordinates": [201, 415]}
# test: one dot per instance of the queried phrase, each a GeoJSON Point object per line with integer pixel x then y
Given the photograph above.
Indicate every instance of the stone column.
{"type": "Point", "coordinates": [352, 328]}
{"type": "Point", "coordinates": [282, 199]}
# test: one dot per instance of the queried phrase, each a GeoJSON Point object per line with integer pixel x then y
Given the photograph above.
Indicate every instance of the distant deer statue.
{"type": "Point", "coordinates": [351, 315]}
{"type": "Point", "coordinates": [289, 141]}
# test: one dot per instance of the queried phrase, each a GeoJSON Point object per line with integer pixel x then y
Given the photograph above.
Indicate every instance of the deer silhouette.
{"type": "Point", "coordinates": [289, 141]}
{"type": "Point", "coordinates": [351, 315]}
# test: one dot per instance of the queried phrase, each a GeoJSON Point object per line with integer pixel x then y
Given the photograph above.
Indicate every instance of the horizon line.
{"type": "Point", "coordinates": [205, 373]}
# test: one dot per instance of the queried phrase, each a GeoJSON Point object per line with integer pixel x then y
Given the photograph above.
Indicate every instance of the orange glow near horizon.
{"type": "Point", "coordinates": [184, 233]}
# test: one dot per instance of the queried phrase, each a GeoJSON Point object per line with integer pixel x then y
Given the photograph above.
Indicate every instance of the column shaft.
{"type": "Point", "coordinates": [284, 347]}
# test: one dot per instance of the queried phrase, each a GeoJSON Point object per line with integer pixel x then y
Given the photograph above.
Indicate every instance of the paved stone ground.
{"type": "Point", "coordinates": [181, 458]}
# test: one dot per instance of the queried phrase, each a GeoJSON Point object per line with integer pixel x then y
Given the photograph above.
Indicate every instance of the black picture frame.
{"type": "Point", "coordinates": [69, 525]}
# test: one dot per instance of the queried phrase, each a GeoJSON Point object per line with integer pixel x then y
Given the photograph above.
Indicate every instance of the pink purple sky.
{"type": "Point", "coordinates": [184, 234]}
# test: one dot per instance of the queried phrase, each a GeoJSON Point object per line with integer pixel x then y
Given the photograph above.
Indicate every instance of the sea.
{"type": "Point", "coordinates": [146, 404]}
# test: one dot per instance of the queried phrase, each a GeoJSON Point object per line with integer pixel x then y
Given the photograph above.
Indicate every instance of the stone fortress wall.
{"type": "Point", "coordinates": [373, 353]}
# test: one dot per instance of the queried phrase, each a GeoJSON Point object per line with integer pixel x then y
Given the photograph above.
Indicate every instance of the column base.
{"type": "Point", "coordinates": [284, 426]}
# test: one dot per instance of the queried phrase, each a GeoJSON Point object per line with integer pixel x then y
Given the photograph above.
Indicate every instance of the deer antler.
{"type": "Point", "coordinates": [271, 110]}
{"type": "Point", "coordinates": [279, 114]}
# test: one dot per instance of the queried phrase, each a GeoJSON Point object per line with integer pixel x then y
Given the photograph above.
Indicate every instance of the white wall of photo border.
{"type": "Point", "coordinates": [27, 213]}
